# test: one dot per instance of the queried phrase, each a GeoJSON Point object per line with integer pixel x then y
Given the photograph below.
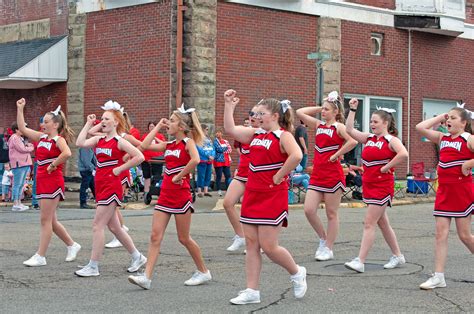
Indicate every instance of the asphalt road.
{"type": "Point", "coordinates": [331, 287]}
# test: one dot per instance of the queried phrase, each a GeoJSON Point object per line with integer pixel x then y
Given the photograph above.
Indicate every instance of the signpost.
{"type": "Point", "coordinates": [320, 57]}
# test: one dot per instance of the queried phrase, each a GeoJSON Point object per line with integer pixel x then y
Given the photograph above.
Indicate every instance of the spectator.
{"type": "Point", "coordinates": [222, 161]}
{"type": "Point", "coordinates": [20, 161]}
{"type": "Point", "coordinates": [150, 168]}
{"type": "Point", "coordinates": [301, 136]}
{"type": "Point", "coordinates": [204, 168]}
{"type": "Point", "coordinates": [86, 164]}
{"type": "Point", "coordinates": [3, 149]}
{"type": "Point", "coordinates": [7, 183]}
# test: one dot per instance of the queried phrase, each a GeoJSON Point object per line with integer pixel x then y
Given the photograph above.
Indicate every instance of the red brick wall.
{"type": "Point", "coordinates": [262, 53]}
{"type": "Point", "coordinates": [439, 71]}
{"type": "Point", "coordinates": [387, 4]}
{"type": "Point", "coordinates": [38, 102]}
{"type": "Point", "coordinates": [128, 60]}
{"type": "Point", "coordinates": [26, 10]}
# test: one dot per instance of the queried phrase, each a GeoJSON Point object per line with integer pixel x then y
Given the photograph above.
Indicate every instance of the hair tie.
{"type": "Point", "coordinates": [56, 112]}
{"type": "Point", "coordinates": [285, 105]}
{"type": "Point", "coordinates": [112, 105]}
{"type": "Point", "coordinates": [389, 110]}
{"type": "Point", "coordinates": [189, 110]}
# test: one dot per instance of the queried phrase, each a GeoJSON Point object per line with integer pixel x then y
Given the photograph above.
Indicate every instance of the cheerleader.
{"type": "Point", "coordinates": [237, 187]}
{"type": "Point", "coordinates": [454, 197]}
{"type": "Point", "coordinates": [265, 204]}
{"type": "Point", "coordinates": [109, 150]}
{"type": "Point", "coordinates": [327, 180]}
{"type": "Point", "coordinates": [382, 151]}
{"type": "Point", "coordinates": [51, 153]}
{"type": "Point", "coordinates": [181, 157]}
{"type": "Point", "coordinates": [125, 177]}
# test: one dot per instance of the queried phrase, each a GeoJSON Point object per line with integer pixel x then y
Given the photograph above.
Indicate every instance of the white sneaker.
{"type": "Point", "coordinates": [113, 244]}
{"type": "Point", "coordinates": [435, 281]}
{"type": "Point", "coordinates": [35, 260]}
{"type": "Point", "coordinates": [237, 244]}
{"type": "Point", "coordinates": [198, 278]}
{"type": "Point", "coordinates": [322, 244]}
{"type": "Point", "coordinates": [137, 263]}
{"type": "Point", "coordinates": [325, 254]}
{"type": "Point", "coordinates": [88, 271]}
{"type": "Point", "coordinates": [24, 207]}
{"type": "Point", "coordinates": [141, 281]}
{"type": "Point", "coordinates": [125, 228]}
{"type": "Point", "coordinates": [72, 252]}
{"type": "Point", "coordinates": [247, 296]}
{"type": "Point", "coordinates": [395, 261]}
{"type": "Point", "coordinates": [219, 193]}
{"type": "Point", "coordinates": [356, 265]}
{"type": "Point", "coordinates": [299, 282]}
{"type": "Point", "coordinates": [15, 208]}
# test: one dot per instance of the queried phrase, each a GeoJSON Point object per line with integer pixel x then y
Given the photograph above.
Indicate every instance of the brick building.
{"type": "Point", "coordinates": [414, 56]}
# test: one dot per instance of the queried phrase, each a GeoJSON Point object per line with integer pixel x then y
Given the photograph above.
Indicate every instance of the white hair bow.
{"type": "Point", "coordinates": [112, 105]}
{"type": "Point", "coordinates": [56, 112]}
{"type": "Point", "coordinates": [285, 105]}
{"type": "Point", "coordinates": [389, 110]}
{"type": "Point", "coordinates": [469, 112]}
{"type": "Point", "coordinates": [333, 96]}
{"type": "Point", "coordinates": [189, 110]}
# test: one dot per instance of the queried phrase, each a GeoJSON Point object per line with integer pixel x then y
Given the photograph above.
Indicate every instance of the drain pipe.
{"type": "Point", "coordinates": [179, 53]}
{"type": "Point", "coordinates": [409, 99]}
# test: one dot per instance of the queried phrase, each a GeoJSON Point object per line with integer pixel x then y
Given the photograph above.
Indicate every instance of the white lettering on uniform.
{"type": "Point", "coordinates": [328, 132]}
{"type": "Point", "coordinates": [375, 144]}
{"type": "Point", "coordinates": [46, 145]}
{"type": "Point", "coordinates": [175, 153]}
{"type": "Point", "coordinates": [105, 151]}
{"type": "Point", "coordinates": [447, 144]}
{"type": "Point", "coordinates": [258, 142]}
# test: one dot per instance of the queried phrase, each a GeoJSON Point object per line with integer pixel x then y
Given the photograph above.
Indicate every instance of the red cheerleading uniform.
{"type": "Point", "coordinates": [327, 176]}
{"type": "Point", "coordinates": [455, 196]}
{"type": "Point", "coordinates": [48, 186]}
{"type": "Point", "coordinates": [108, 187]}
{"type": "Point", "coordinates": [377, 187]}
{"type": "Point", "coordinates": [265, 203]}
{"type": "Point", "coordinates": [243, 169]}
{"type": "Point", "coordinates": [175, 198]}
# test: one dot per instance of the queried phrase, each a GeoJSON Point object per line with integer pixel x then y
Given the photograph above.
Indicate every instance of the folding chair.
{"type": "Point", "coordinates": [296, 186]}
{"type": "Point", "coordinates": [400, 189]}
{"type": "Point", "coordinates": [422, 184]}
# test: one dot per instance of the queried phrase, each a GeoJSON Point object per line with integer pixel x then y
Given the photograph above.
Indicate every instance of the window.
{"type": "Point", "coordinates": [376, 40]}
{"type": "Point", "coordinates": [432, 107]}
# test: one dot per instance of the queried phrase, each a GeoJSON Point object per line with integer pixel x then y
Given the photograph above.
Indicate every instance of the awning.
{"type": "Point", "coordinates": [33, 63]}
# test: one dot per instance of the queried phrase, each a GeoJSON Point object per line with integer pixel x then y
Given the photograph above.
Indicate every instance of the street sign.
{"type": "Point", "coordinates": [318, 56]}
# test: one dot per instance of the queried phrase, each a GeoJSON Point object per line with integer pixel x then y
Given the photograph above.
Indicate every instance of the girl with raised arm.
{"type": "Point", "coordinates": [237, 187]}
{"type": "Point", "coordinates": [181, 157]}
{"type": "Point", "coordinates": [327, 181]}
{"type": "Point", "coordinates": [51, 153]}
{"type": "Point", "coordinates": [109, 150]}
{"type": "Point", "coordinates": [382, 152]}
{"type": "Point", "coordinates": [454, 197]}
{"type": "Point", "coordinates": [264, 210]}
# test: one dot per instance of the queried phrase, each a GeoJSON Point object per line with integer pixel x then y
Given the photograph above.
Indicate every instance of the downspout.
{"type": "Point", "coordinates": [179, 54]}
{"type": "Point", "coordinates": [409, 99]}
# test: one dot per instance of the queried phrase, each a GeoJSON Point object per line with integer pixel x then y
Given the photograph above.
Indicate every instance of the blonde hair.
{"type": "Point", "coordinates": [285, 119]}
{"type": "Point", "coordinates": [337, 105]}
{"type": "Point", "coordinates": [192, 126]}
{"type": "Point", "coordinates": [128, 123]}
{"type": "Point", "coordinates": [63, 129]}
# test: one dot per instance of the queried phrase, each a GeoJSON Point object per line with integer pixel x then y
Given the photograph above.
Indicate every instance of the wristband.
{"type": "Point", "coordinates": [353, 110]}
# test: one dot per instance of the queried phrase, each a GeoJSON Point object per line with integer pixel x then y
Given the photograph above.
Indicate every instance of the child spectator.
{"type": "Point", "coordinates": [7, 183]}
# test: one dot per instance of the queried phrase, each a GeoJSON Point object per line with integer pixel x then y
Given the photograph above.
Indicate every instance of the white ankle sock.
{"type": "Point", "coordinates": [136, 254]}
